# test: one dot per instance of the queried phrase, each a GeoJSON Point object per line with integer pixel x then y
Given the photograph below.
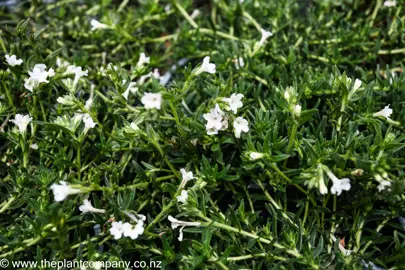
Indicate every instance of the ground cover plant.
{"type": "Point", "coordinates": [203, 134]}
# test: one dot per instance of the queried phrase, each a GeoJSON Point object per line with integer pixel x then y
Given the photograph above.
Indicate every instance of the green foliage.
{"type": "Point", "coordinates": [260, 199]}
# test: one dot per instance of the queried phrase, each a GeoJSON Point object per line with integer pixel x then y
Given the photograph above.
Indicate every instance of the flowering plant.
{"type": "Point", "coordinates": [204, 134]}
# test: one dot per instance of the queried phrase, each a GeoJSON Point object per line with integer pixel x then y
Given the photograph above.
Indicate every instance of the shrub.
{"type": "Point", "coordinates": [241, 135]}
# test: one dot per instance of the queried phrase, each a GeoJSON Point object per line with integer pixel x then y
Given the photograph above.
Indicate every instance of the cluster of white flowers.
{"type": "Point", "coordinates": [13, 61]}
{"type": "Point", "coordinates": [126, 229]}
{"type": "Point", "coordinates": [38, 75]}
{"type": "Point", "coordinates": [217, 120]}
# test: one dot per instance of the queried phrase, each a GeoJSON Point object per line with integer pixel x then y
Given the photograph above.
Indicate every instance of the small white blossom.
{"type": "Point", "coordinates": [13, 61]}
{"type": "Point", "coordinates": [95, 25]}
{"type": "Point", "coordinates": [239, 62]}
{"type": "Point", "coordinates": [214, 120]}
{"type": "Point", "coordinates": [390, 3]}
{"type": "Point", "coordinates": [61, 63]}
{"type": "Point", "coordinates": [234, 102]}
{"type": "Point", "coordinates": [297, 110]}
{"type": "Point", "coordinates": [383, 185]}
{"type": "Point", "coordinates": [62, 190]}
{"type": "Point", "coordinates": [206, 66]}
{"type": "Point", "coordinates": [88, 121]}
{"type": "Point", "coordinates": [195, 14]}
{"type": "Point", "coordinates": [338, 184]}
{"type": "Point", "coordinates": [287, 96]}
{"type": "Point", "coordinates": [185, 176]}
{"type": "Point", "coordinates": [240, 124]}
{"type": "Point", "coordinates": [21, 121]}
{"type": "Point", "coordinates": [183, 196]}
{"type": "Point", "coordinates": [265, 36]}
{"type": "Point", "coordinates": [38, 75]}
{"type": "Point", "coordinates": [143, 60]}
{"type": "Point", "coordinates": [133, 231]}
{"type": "Point", "coordinates": [155, 74]}
{"type": "Point", "coordinates": [357, 84]}
{"type": "Point", "coordinates": [86, 207]}
{"type": "Point", "coordinates": [256, 155]}
{"type": "Point", "coordinates": [386, 112]}
{"type": "Point", "coordinates": [78, 72]}
{"type": "Point", "coordinates": [117, 229]}
{"type": "Point", "coordinates": [152, 100]}
{"type": "Point", "coordinates": [176, 223]}
{"type": "Point", "coordinates": [34, 146]}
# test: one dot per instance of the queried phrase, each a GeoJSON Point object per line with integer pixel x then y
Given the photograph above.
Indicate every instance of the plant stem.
{"type": "Point", "coordinates": [7, 205]}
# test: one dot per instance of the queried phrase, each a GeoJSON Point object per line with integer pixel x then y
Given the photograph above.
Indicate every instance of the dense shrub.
{"type": "Point", "coordinates": [272, 132]}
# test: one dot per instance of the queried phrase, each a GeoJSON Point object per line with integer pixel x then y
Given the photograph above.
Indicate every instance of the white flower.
{"type": "Point", "coordinates": [95, 25]}
{"type": "Point", "coordinates": [386, 112]}
{"type": "Point", "coordinates": [176, 223]}
{"type": "Point", "coordinates": [78, 72]}
{"type": "Point", "coordinates": [34, 146]}
{"type": "Point", "coordinates": [195, 13]}
{"type": "Point", "coordinates": [62, 190]}
{"type": "Point", "coordinates": [297, 110]}
{"type": "Point", "coordinates": [256, 155]}
{"type": "Point", "coordinates": [88, 121]}
{"type": "Point", "coordinates": [239, 62]}
{"type": "Point", "coordinates": [185, 176]}
{"type": "Point", "coordinates": [338, 184]}
{"type": "Point", "coordinates": [390, 3]}
{"type": "Point", "coordinates": [152, 100]}
{"type": "Point", "coordinates": [155, 74]}
{"type": "Point", "coordinates": [357, 84]}
{"type": "Point", "coordinates": [240, 124]}
{"type": "Point", "coordinates": [214, 119]}
{"type": "Point", "coordinates": [383, 184]}
{"type": "Point", "coordinates": [22, 122]}
{"type": "Point", "coordinates": [224, 123]}
{"type": "Point", "coordinates": [132, 231]}
{"type": "Point", "coordinates": [117, 229]}
{"type": "Point", "coordinates": [287, 96]}
{"type": "Point", "coordinates": [143, 60]}
{"type": "Point", "coordinates": [265, 36]}
{"type": "Point", "coordinates": [234, 102]}
{"type": "Point", "coordinates": [206, 66]}
{"type": "Point", "coordinates": [13, 61]}
{"type": "Point", "coordinates": [61, 63]}
{"type": "Point", "coordinates": [323, 189]}
{"type": "Point", "coordinates": [38, 75]}
{"type": "Point", "coordinates": [30, 84]}
{"type": "Point", "coordinates": [183, 196]}
{"type": "Point", "coordinates": [86, 207]}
